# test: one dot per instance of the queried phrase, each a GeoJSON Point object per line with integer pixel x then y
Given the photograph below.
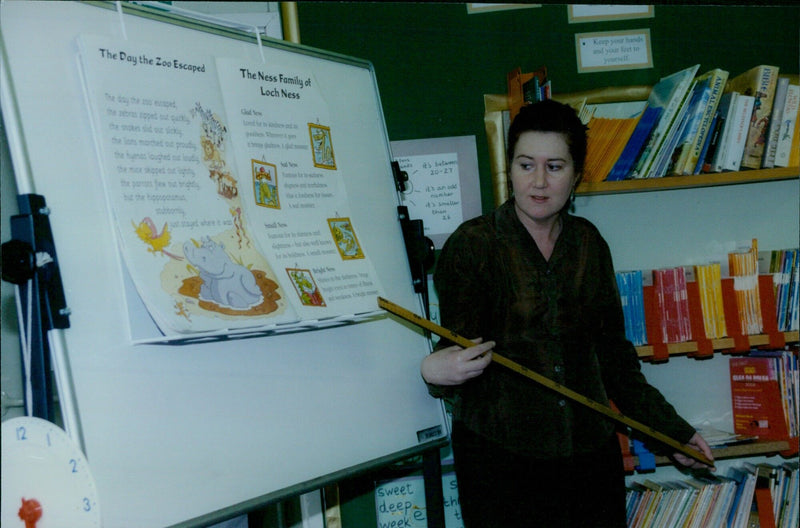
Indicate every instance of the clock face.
{"type": "Point", "coordinates": [46, 480]}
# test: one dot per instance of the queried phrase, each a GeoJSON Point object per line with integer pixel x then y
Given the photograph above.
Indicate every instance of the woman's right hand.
{"type": "Point", "coordinates": [454, 365]}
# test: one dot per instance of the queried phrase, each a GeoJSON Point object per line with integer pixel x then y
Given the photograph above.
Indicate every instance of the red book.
{"type": "Point", "coordinates": [756, 398]}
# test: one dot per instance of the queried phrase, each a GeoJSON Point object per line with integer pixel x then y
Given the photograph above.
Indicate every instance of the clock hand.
{"type": "Point", "coordinates": [30, 512]}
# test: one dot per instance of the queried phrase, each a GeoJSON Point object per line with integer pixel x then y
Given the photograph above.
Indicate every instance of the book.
{"type": "Point", "coordinates": [760, 83]}
{"type": "Point", "coordinates": [667, 153]}
{"type": "Point", "coordinates": [673, 305]}
{"type": "Point", "coordinates": [606, 138]}
{"type": "Point", "coordinates": [756, 398]}
{"type": "Point", "coordinates": [743, 268]}
{"type": "Point", "coordinates": [794, 149]}
{"type": "Point", "coordinates": [701, 93]}
{"type": "Point", "coordinates": [746, 484]}
{"type": "Point", "coordinates": [717, 80]}
{"type": "Point", "coordinates": [735, 139]}
{"type": "Point", "coordinates": [629, 284]}
{"type": "Point", "coordinates": [633, 148]}
{"type": "Point", "coordinates": [773, 133]}
{"type": "Point", "coordinates": [669, 94]}
{"type": "Point", "coordinates": [787, 134]}
{"type": "Point", "coordinates": [725, 111]}
{"type": "Point", "coordinates": [709, 284]}
{"type": "Point", "coordinates": [231, 236]}
{"type": "Point", "coordinates": [710, 138]}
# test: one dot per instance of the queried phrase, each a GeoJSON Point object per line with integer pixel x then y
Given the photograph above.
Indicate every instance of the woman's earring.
{"type": "Point", "coordinates": [572, 201]}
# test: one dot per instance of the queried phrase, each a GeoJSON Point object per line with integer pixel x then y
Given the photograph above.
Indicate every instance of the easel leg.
{"type": "Point", "coordinates": [434, 497]}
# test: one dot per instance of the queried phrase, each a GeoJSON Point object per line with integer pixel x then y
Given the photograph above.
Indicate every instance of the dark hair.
{"type": "Point", "coordinates": [550, 116]}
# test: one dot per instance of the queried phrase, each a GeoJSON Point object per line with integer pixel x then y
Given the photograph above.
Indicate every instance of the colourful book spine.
{"type": "Point", "coordinates": [773, 134]}
{"type": "Point", "coordinates": [726, 110]}
{"type": "Point", "coordinates": [736, 141]}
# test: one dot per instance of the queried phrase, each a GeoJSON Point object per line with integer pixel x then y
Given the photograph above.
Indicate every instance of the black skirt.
{"type": "Point", "coordinates": [497, 488]}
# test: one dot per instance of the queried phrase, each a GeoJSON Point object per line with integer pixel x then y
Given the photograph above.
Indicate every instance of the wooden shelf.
{"type": "Point", "coordinates": [758, 448]}
{"type": "Point", "coordinates": [726, 343]}
{"type": "Point", "coordinates": [686, 182]}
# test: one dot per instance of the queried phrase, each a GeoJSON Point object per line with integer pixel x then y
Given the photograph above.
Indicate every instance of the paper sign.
{"type": "Point", "coordinates": [443, 187]}
{"type": "Point", "coordinates": [613, 50]}
{"type": "Point", "coordinates": [401, 502]}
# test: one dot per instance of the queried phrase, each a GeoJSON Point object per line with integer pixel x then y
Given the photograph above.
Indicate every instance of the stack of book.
{"type": "Point", "coordinates": [709, 284]}
{"type": "Point", "coordinates": [743, 268]}
{"type": "Point", "coordinates": [673, 304]}
{"type": "Point", "coordinates": [785, 269]}
{"type": "Point", "coordinates": [728, 501]}
{"type": "Point", "coordinates": [711, 122]}
{"type": "Point", "coordinates": [629, 284]}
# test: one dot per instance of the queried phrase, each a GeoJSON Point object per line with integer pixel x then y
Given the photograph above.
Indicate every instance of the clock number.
{"type": "Point", "coordinates": [74, 464]}
{"type": "Point", "coordinates": [87, 504]}
{"type": "Point", "coordinates": [22, 434]}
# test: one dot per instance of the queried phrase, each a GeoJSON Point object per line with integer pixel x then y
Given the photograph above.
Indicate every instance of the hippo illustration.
{"type": "Point", "coordinates": [224, 282]}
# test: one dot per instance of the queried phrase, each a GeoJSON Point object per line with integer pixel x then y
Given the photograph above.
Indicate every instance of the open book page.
{"type": "Point", "coordinates": [210, 236]}
{"type": "Point", "coordinates": [295, 195]}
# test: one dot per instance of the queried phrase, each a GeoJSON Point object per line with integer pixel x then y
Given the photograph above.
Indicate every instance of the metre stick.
{"type": "Point", "coordinates": [547, 382]}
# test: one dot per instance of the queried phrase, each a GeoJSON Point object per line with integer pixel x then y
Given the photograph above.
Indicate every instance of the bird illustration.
{"type": "Point", "coordinates": [147, 233]}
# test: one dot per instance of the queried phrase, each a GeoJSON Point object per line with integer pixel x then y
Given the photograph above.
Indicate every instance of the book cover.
{"type": "Point", "coordinates": [760, 83]}
{"type": "Point", "coordinates": [717, 79]}
{"type": "Point", "coordinates": [787, 134]}
{"type": "Point", "coordinates": [773, 133]}
{"type": "Point", "coordinates": [736, 140]}
{"type": "Point", "coordinates": [756, 398]}
{"type": "Point", "coordinates": [668, 94]}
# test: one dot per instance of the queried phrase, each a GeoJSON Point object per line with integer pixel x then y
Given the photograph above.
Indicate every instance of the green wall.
{"type": "Point", "coordinates": [434, 62]}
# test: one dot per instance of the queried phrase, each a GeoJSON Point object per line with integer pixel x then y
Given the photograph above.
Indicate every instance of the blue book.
{"type": "Point", "coordinates": [622, 168]}
{"type": "Point", "coordinates": [703, 153]}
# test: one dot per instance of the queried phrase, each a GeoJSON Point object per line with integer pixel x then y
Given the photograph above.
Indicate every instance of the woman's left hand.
{"type": "Point", "coordinates": [698, 443]}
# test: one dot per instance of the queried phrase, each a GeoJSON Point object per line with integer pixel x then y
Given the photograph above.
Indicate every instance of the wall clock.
{"type": "Point", "coordinates": [46, 481]}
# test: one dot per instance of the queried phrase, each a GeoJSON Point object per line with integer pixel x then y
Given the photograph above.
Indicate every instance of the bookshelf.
{"type": "Point", "coordinates": [757, 448]}
{"type": "Point", "coordinates": [686, 182]}
{"type": "Point", "coordinates": [725, 343]}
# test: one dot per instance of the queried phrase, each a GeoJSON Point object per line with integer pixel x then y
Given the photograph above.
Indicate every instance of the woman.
{"type": "Point", "coordinates": [538, 284]}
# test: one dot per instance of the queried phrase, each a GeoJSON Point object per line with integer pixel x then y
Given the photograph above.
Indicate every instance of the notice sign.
{"type": "Point", "coordinates": [613, 50]}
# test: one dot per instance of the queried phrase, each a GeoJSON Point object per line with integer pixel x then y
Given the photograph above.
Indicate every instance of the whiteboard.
{"type": "Point", "coordinates": [187, 434]}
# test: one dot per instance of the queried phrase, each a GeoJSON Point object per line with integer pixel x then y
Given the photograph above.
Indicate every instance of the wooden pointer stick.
{"type": "Point", "coordinates": [547, 382]}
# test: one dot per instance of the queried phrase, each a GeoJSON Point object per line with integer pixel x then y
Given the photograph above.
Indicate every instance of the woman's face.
{"type": "Point", "coordinates": [542, 176]}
